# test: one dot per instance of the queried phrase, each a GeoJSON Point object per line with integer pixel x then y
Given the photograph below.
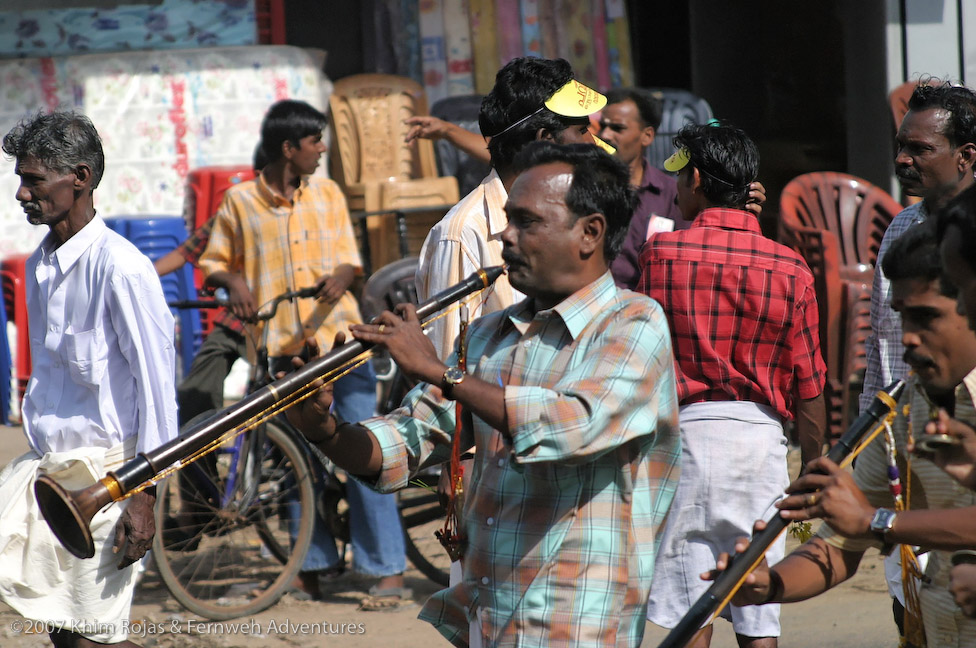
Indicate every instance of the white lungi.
{"type": "Point", "coordinates": [733, 468]}
{"type": "Point", "coordinates": [41, 579]}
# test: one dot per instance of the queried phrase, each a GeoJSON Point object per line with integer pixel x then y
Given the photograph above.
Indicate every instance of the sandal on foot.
{"type": "Point", "coordinates": [386, 599]}
{"type": "Point", "coordinates": [299, 594]}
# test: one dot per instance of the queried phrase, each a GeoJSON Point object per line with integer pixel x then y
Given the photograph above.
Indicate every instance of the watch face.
{"type": "Point", "coordinates": [453, 375]}
{"type": "Point", "coordinates": [883, 521]}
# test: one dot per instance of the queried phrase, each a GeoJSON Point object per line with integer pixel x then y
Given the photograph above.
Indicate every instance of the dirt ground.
{"type": "Point", "coordinates": [854, 615]}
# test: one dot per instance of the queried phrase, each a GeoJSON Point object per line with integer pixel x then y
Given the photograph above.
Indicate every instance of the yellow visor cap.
{"type": "Point", "coordinates": [576, 100]}
{"type": "Point", "coordinates": [678, 161]}
{"type": "Point", "coordinates": [606, 147]}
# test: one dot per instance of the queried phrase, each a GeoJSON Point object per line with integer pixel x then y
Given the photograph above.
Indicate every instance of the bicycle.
{"type": "Point", "coordinates": [232, 533]}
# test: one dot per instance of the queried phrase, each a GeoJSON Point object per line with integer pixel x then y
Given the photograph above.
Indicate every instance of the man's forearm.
{"type": "Point", "coordinates": [811, 569]}
{"type": "Point", "coordinates": [354, 449]}
{"type": "Point", "coordinates": [811, 424]}
{"type": "Point", "coordinates": [485, 400]}
{"type": "Point", "coordinates": [945, 529]}
{"type": "Point", "coordinates": [221, 279]}
{"type": "Point", "coordinates": [169, 262]}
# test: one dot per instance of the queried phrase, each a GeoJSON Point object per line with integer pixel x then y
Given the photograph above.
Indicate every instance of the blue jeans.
{"type": "Point", "coordinates": [376, 534]}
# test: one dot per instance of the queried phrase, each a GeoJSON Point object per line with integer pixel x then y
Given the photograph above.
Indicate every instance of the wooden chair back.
{"type": "Point", "coordinates": [368, 111]}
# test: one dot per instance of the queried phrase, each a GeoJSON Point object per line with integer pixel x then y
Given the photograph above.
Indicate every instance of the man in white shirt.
{"type": "Point", "coordinates": [100, 391]}
{"type": "Point", "coordinates": [520, 109]}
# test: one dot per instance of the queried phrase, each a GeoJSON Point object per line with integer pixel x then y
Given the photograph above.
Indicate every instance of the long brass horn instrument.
{"type": "Point", "coordinates": [729, 581]}
{"type": "Point", "coordinates": [69, 513]}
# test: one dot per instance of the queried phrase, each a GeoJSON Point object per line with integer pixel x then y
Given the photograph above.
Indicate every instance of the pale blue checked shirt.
{"type": "Point", "coordinates": [562, 516]}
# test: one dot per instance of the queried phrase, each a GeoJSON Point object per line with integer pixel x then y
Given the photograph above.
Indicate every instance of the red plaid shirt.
{"type": "Point", "coordinates": [742, 312]}
{"type": "Point", "coordinates": [191, 250]}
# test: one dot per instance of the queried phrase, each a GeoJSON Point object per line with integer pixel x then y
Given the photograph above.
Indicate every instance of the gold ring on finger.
{"type": "Point", "coordinates": [381, 328]}
{"type": "Point", "coordinates": [811, 499]}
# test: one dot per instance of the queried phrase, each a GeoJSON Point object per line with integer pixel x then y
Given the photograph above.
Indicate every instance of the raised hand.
{"type": "Point", "coordinates": [404, 338]}
{"type": "Point", "coordinates": [755, 589]}
{"type": "Point", "coordinates": [957, 456]}
{"type": "Point", "coordinates": [828, 491]}
{"type": "Point", "coordinates": [312, 415]}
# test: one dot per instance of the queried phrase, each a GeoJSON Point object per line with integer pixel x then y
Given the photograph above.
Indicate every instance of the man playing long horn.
{"type": "Point", "coordinates": [570, 403]}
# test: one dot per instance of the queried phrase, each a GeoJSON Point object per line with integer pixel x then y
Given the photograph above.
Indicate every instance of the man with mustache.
{"type": "Point", "coordinates": [101, 389]}
{"type": "Point", "coordinates": [936, 152]}
{"type": "Point", "coordinates": [570, 404]}
{"type": "Point", "coordinates": [859, 510]}
{"type": "Point", "coordinates": [957, 239]}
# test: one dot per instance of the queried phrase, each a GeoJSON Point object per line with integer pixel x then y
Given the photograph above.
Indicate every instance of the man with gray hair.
{"type": "Point", "coordinates": [101, 388]}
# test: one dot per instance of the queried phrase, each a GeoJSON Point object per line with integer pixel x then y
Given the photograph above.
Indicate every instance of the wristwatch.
{"type": "Point", "coordinates": [882, 523]}
{"type": "Point", "coordinates": [453, 376]}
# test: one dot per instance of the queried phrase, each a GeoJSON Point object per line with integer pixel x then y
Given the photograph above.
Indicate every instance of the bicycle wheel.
{"type": "Point", "coordinates": [421, 514]}
{"type": "Point", "coordinates": [223, 532]}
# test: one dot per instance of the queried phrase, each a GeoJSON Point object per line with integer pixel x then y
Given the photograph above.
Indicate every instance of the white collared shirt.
{"type": "Point", "coordinates": [102, 348]}
{"type": "Point", "coordinates": [467, 239]}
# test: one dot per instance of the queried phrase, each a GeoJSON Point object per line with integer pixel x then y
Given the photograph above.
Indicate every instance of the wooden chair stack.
{"type": "Point", "coordinates": [376, 169]}
{"type": "Point", "coordinates": [836, 222]}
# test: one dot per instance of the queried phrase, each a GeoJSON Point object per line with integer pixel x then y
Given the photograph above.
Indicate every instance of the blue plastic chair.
{"type": "Point", "coordinates": [156, 236]}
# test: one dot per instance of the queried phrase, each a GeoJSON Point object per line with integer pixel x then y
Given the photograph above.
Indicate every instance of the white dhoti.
{"type": "Point", "coordinates": [733, 468]}
{"type": "Point", "coordinates": [39, 578]}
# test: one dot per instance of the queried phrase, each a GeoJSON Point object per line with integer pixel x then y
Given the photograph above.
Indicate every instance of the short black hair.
{"type": "Point", "coordinates": [260, 158]}
{"type": "Point", "coordinates": [726, 158]}
{"type": "Point", "coordinates": [960, 212]}
{"type": "Point", "coordinates": [650, 107]}
{"type": "Point", "coordinates": [60, 140]}
{"type": "Point", "coordinates": [289, 121]}
{"type": "Point", "coordinates": [958, 101]}
{"type": "Point", "coordinates": [915, 255]}
{"type": "Point", "coordinates": [601, 185]}
{"type": "Point", "coordinates": [521, 88]}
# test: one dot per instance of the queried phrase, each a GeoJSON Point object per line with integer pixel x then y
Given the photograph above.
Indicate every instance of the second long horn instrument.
{"type": "Point", "coordinates": [69, 514]}
{"type": "Point", "coordinates": [728, 581]}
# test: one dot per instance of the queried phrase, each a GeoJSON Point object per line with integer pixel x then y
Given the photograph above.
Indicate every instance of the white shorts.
{"type": "Point", "coordinates": [733, 468]}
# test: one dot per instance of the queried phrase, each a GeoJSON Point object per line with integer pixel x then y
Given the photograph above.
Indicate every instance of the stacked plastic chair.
{"type": "Point", "coordinates": [855, 214]}
{"type": "Point", "coordinates": [379, 173]}
{"type": "Point", "coordinates": [12, 278]}
{"type": "Point", "coordinates": [156, 236]}
{"type": "Point", "coordinates": [205, 189]}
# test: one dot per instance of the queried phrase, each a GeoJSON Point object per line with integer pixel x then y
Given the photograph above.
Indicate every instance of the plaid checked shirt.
{"type": "Point", "coordinates": [883, 348]}
{"type": "Point", "coordinates": [191, 250]}
{"type": "Point", "coordinates": [562, 519]}
{"type": "Point", "coordinates": [278, 245]}
{"type": "Point", "coordinates": [742, 312]}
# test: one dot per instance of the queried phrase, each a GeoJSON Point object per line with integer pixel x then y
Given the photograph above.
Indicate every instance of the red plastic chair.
{"type": "Point", "coordinates": [819, 248]}
{"type": "Point", "coordinates": [13, 278]}
{"type": "Point", "coordinates": [205, 189]}
{"type": "Point", "coordinates": [856, 211]}
{"type": "Point", "coordinates": [857, 327]}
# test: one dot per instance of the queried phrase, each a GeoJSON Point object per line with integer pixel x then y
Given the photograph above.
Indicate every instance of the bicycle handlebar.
{"type": "Point", "coordinates": [221, 298]}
